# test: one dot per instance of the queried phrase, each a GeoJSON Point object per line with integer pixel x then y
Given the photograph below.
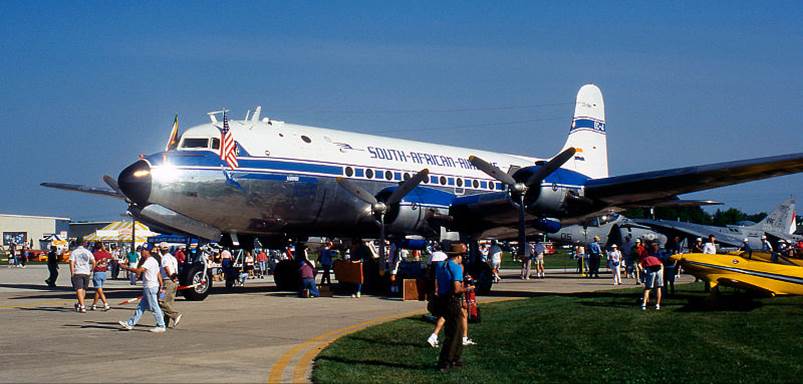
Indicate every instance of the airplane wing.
{"type": "Point", "coordinates": [108, 192]}
{"type": "Point", "coordinates": [665, 185]}
{"type": "Point", "coordinates": [691, 230]}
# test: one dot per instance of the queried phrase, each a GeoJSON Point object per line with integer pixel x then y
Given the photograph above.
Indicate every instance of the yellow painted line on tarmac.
{"type": "Point", "coordinates": [33, 305]}
{"type": "Point", "coordinates": [316, 344]}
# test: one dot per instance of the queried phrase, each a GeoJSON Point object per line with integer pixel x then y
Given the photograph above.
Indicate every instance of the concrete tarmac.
{"type": "Point", "coordinates": [253, 334]}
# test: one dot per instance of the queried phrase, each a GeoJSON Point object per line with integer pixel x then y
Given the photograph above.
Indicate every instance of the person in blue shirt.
{"type": "Point", "coordinates": [326, 262]}
{"type": "Point", "coordinates": [450, 289]}
{"type": "Point", "coordinates": [594, 257]}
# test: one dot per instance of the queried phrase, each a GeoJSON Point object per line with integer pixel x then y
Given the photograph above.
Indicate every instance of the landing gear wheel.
{"type": "Point", "coordinates": [286, 275]}
{"type": "Point", "coordinates": [204, 282]}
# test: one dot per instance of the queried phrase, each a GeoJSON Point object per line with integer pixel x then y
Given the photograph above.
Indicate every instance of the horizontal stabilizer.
{"type": "Point", "coordinates": [86, 189]}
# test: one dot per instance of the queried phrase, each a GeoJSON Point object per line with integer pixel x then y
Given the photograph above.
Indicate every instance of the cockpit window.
{"type": "Point", "coordinates": [215, 143]}
{"type": "Point", "coordinates": [195, 143]}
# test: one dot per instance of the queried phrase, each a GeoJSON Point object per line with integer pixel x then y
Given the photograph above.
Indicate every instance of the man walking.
{"type": "Point", "coordinates": [52, 266]}
{"type": "Point", "coordinates": [169, 272]}
{"type": "Point", "coordinates": [540, 250]}
{"type": "Point", "coordinates": [151, 284]}
{"type": "Point", "coordinates": [450, 296]}
{"type": "Point", "coordinates": [81, 264]}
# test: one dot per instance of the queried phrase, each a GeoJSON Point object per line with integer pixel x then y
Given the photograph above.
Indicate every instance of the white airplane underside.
{"type": "Point", "coordinates": [298, 181]}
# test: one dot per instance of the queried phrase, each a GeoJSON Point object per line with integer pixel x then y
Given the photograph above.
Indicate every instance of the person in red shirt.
{"type": "Point", "coordinates": [262, 264]}
{"type": "Point", "coordinates": [653, 270]}
{"type": "Point", "coordinates": [181, 255]}
{"type": "Point", "coordinates": [102, 259]}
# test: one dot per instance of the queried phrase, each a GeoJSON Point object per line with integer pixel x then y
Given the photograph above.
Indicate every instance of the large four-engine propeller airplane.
{"type": "Point", "coordinates": [260, 178]}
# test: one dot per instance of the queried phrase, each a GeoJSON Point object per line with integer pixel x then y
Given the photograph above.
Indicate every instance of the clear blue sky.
{"type": "Point", "coordinates": [87, 86]}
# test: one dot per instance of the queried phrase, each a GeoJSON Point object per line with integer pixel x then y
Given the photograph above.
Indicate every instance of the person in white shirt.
{"type": "Point", "coordinates": [496, 260]}
{"type": "Point", "coordinates": [170, 278]}
{"type": "Point", "coordinates": [151, 285]}
{"type": "Point", "coordinates": [710, 248]}
{"type": "Point", "coordinates": [540, 250]}
{"type": "Point", "coordinates": [615, 262]}
{"type": "Point", "coordinates": [82, 262]}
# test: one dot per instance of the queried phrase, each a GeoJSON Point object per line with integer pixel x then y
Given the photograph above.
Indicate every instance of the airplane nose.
{"type": "Point", "coordinates": [135, 182]}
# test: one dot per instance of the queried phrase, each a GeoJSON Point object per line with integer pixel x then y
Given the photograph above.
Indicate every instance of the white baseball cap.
{"type": "Point", "coordinates": [438, 256]}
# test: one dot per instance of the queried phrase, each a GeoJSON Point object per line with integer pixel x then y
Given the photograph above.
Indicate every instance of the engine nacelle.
{"type": "Point", "coordinates": [549, 201]}
{"type": "Point", "coordinates": [547, 225]}
{"type": "Point", "coordinates": [412, 215]}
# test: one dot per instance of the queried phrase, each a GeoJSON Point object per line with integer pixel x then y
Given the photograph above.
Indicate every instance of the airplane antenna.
{"type": "Point", "coordinates": [213, 114]}
{"type": "Point", "coordinates": [257, 112]}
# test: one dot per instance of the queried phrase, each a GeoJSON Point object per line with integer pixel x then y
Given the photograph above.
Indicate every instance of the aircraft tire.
{"type": "Point", "coordinates": [286, 275]}
{"type": "Point", "coordinates": [195, 275]}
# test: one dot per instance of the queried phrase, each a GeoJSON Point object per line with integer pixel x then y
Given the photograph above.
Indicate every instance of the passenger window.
{"type": "Point", "coordinates": [215, 143]}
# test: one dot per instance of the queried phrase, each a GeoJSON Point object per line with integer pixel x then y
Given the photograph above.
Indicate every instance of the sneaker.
{"type": "Point", "coordinates": [432, 341]}
{"type": "Point", "coordinates": [657, 306]}
{"type": "Point", "coordinates": [106, 307]}
{"type": "Point", "coordinates": [467, 341]}
{"type": "Point", "coordinates": [643, 307]}
{"type": "Point", "coordinates": [77, 307]}
{"type": "Point", "coordinates": [177, 320]}
{"type": "Point", "coordinates": [82, 309]}
{"type": "Point", "coordinates": [93, 307]}
{"type": "Point", "coordinates": [158, 329]}
{"type": "Point", "coordinates": [358, 294]}
{"type": "Point", "coordinates": [125, 325]}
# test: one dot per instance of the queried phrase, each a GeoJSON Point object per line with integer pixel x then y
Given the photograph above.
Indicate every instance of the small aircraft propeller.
{"type": "Point", "coordinates": [521, 188]}
{"type": "Point", "coordinates": [381, 207]}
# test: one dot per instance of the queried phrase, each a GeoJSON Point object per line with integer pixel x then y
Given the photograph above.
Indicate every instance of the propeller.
{"type": "Point", "coordinates": [521, 188]}
{"type": "Point", "coordinates": [381, 207]}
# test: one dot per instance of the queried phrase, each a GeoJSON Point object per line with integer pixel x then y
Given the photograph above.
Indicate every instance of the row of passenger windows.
{"type": "Point", "coordinates": [369, 173]}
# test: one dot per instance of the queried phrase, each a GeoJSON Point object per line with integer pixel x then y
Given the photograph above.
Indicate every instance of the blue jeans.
{"type": "Point", "coordinates": [313, 289]}
{"type": "Point", "coordinates": [149, 301]}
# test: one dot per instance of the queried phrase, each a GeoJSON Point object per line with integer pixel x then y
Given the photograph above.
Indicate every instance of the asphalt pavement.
{"type": "Point", "coordinates": [252, 334]}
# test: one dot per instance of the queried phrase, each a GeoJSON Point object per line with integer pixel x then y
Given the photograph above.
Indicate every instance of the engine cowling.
{"type": "Point", "coordinates": [546, 225]}
{"type": "Point", "coordinates": [411, 216]}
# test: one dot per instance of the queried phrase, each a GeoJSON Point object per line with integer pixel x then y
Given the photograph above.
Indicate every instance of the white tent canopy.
{"type": "Point", "coordinates": [120, 231]}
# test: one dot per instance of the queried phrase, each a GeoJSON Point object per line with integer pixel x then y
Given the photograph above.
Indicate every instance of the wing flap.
{"type": "Point", "coordinates": [664, 185]}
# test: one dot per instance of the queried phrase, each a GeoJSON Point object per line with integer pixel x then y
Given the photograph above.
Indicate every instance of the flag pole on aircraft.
{"type": "Point", "coordinates": [172, 141]}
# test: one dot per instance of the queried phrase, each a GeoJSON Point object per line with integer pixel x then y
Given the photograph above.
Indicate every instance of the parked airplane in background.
{"type": "Point", "coordinates": [779, 224]}
{"type": "Point", "coordinates": [235, 181]}
{"type": "Point", "coordinates": [738, 272]}
{"type": "Point", "coordinates": [611, 229]}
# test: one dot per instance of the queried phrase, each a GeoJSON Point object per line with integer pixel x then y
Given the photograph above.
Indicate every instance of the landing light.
{"type": "Point", "coordinates": [142, 173]}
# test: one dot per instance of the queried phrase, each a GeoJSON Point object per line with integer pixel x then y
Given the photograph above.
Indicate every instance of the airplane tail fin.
{"type": "Point", "coordinates": [781, 220]}
{"type": "Point", "coordinates": [587, 134]}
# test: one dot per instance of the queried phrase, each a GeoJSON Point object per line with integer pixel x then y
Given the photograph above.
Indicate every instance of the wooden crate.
{"type": "Point", "coordinates": [412, 289]}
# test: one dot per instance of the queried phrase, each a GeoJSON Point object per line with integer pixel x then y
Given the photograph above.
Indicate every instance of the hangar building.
{"type": "Point", "coordinates": [24, 229]}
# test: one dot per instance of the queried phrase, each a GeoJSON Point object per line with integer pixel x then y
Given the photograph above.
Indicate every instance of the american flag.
{"type": "Point", "coordinates": [228, 147]}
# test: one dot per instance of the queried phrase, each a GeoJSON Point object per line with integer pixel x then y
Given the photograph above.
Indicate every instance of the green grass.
{"type": "Point", "coordinates": [589, 338]}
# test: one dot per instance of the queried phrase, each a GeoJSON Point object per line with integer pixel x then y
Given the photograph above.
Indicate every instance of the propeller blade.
{"type": "Point", "coordinates": [407, 186]}
{"type": "Point", "coordinates": [492, 170]}
{"type": "Point", "coordinates": [357, 191]}
{"type": "Point", "coordinates": [550, 167]}
{"type": "Point", "coordinates": [111, 182]}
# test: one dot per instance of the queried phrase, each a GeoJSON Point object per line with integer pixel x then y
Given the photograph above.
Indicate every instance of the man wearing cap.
{"type": "Point", "coordinates": [450, 292]}
{"type": "Point", "coordinates": [169, 271]}
{"type": "Point", "coordinates": [151, 284]}
{"type": "Point", "coordinates": [747, 251]}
